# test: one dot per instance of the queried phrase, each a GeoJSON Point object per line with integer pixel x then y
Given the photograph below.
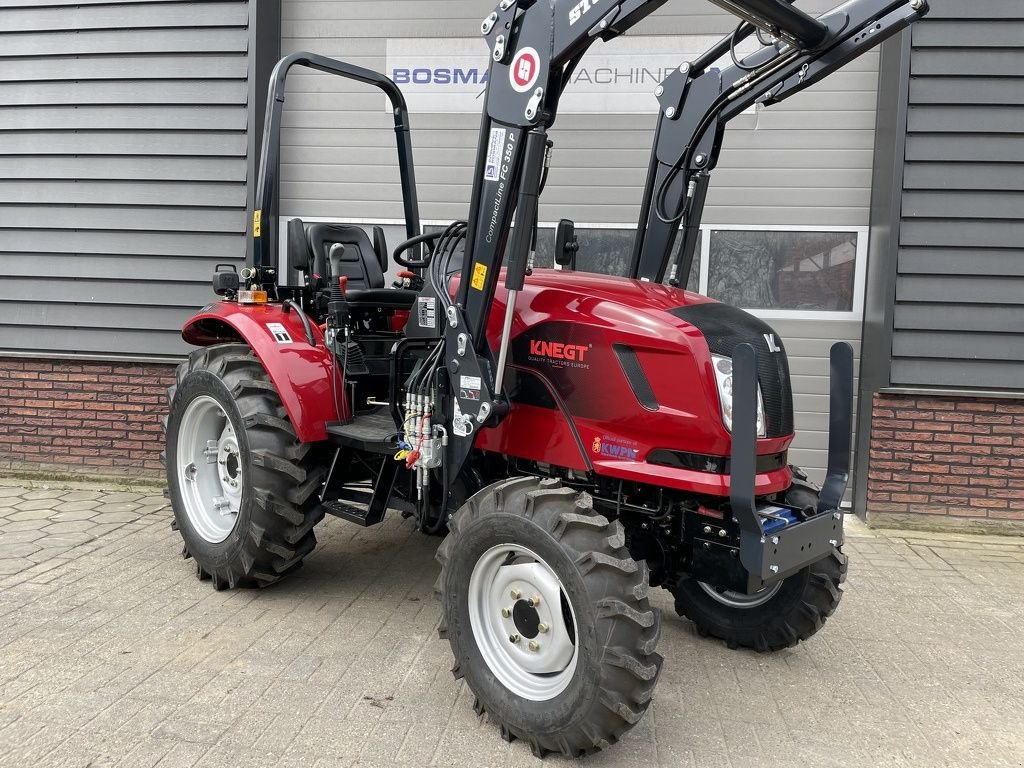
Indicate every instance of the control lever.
{"type": "Point", "coordinates": [334, 257]}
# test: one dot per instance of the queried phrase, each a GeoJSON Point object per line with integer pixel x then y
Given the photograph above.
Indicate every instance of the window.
{"type": "Point", "coordinates": [693, 284]}
{"type": "Point", "coordinates": [777, 269]}
{"type": "Point", "coordinates": [544, 257]}
{"type": "Point", "coordinates": [607, 251]}
{"type": "Point", "coordinates": [604, 251]}
{"type": "Point", "coordinates": [798, 272]}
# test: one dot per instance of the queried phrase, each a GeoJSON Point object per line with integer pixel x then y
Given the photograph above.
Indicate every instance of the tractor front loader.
{"type": "Point", "coordinates": [579, 438]}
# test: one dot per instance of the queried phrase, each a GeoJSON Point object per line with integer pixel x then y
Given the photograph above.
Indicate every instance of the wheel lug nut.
{"type": "Point", "coordinates": [534, 601]}
{"type": "Point", "coordinates": [514, 638]}
{"type": "Point", "coordinates": [505, 613]}
{"type": "Point", "coordinates": [534, 646]}
{"type": "Point", "coordinates": [516, 594]}
{"type": "Point", "coordinates": [542, 627]}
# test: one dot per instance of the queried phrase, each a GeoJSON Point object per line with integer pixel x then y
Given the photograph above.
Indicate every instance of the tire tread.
{"type": "Point", "coordinates": [284, 510]}
{"type": "Point", "coordinates": [629, 671]}
{"type": "Point", "coordinates": [796, 621]}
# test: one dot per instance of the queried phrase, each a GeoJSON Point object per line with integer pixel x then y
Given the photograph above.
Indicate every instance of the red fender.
{"type": "Point", "coordinates": [301, 373]}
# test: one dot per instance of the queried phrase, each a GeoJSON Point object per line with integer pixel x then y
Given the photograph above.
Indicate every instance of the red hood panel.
{"type": "Point", "coordinates": [632, 377]}
{"type": "Point", "coordinates": [632, 293]}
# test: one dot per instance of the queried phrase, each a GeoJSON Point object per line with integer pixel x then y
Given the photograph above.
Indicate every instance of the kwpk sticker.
{"type": "Point", "coordinates": [524, 70]}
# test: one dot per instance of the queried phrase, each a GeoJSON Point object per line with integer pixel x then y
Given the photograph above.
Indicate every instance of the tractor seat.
{"type": "Point", "coordinates": [360, 262]}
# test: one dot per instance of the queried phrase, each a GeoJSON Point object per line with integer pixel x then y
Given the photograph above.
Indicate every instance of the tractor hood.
{"type": "Point", "coordinates": [630, 362]}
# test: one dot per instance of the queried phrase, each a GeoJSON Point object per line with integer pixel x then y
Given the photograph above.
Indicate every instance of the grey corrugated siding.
{"type": "Point", "coordinates": [805, 162]}
{"type": "Point", "coordinates": [959, 314]}
{"type": "Point", "coordinates": [122, 169]}
{"type": "Point", "coordinates": [807, 347]}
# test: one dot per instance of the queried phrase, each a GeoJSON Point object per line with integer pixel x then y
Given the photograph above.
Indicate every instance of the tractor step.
{"type": "Point", "coordinates": [353, 513]}
{"type": "Point", "coordinates": [372, 432]}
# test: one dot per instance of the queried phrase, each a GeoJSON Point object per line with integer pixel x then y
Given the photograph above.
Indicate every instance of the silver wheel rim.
{"type": "Point", "coordinates": [209, 466]}
{"type": "Point", "coordinates": [513, 594]}
{"type": "Point", "coordinates": [739, 599]}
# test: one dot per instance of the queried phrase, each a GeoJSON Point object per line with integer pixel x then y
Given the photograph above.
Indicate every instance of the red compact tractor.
{"type": "Point", "coordinates": [579, 438]}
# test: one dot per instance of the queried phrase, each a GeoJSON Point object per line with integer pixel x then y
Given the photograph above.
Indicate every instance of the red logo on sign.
{"type": "Point", "coordinates": [524, 70]}
{"type": "Point", "coordinates": [524, 67]}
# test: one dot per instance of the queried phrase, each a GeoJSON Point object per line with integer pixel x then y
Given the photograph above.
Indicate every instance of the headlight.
{"type": "Point", "coordinates": [723, 377]}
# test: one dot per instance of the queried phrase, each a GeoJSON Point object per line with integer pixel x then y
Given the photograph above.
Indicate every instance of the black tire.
{"type": "Point", "coordinates": [616, 630]}
{"type": "Point", "coordinates": [795, 612]}
{"type": "Point", "coordinates": [279, 507]}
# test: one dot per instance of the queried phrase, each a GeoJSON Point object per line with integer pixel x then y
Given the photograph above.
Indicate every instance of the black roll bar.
{"type": "Point", "coordinates": [264, 241]}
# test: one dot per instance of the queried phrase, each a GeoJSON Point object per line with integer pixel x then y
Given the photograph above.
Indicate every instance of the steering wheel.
{"type": "Point", "coordinates": [429, 238]}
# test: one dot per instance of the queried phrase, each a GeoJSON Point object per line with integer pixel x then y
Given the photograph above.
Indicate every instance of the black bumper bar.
{"type": "Point", "coordinates": [780, 551]}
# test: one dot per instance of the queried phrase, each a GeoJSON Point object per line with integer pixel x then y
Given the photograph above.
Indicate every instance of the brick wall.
{"type": "Point", "coordinates": [82, 417]}
{"type": "Point", "coordinates": [947, 456]}
{"type": "Point", "coordinates": [929, 455]}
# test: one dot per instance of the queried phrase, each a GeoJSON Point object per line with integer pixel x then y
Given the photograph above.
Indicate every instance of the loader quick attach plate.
{"type": "Point", "coordinates": [787, 549]}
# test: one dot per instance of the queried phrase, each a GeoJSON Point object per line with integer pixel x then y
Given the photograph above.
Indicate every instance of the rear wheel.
{"type": "Point", "coordinates": [778, 616]}
{"type": "Point", "coordinates": [241, 484]}
{"type": "Point", "coordinates": [548, 617]}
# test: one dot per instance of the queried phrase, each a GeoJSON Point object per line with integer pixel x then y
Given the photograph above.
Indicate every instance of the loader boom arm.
{"type": "Point", "coordinates": [535, 46]}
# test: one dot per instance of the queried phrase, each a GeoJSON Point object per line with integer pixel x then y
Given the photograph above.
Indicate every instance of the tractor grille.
{"type": "Point", "coordinates": [725, 328]}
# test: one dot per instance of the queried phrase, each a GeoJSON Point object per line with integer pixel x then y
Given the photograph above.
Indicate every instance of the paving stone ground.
{"type": "Point", "coordinates": [113, 654]}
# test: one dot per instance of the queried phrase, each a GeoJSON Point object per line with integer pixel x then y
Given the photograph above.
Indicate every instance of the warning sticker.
{"type": "Point", "coordinates": [479, 275]}
{"type": "Point", "coordinates": [257, 220]}
{"type": "Point", "coordinates": [492, 168]}
{"type": "Point", "coordinates": [426, 312]}
{"type": "Point", "coordinates": [462, 425]}
{"type": "Point", "coordinates": [280, 333]}
{"type": "Point", "coordinates": [469, 387]}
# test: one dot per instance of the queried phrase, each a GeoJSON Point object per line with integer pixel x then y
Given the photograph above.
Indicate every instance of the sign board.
{"type": "Point", "coordinates": [617, 77]}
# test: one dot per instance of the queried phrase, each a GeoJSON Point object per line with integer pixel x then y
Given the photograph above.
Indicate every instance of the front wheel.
{"type": "Point", "coordinates": [547, 616]}
{"type": "Point", "coordinates": [778, 616]}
